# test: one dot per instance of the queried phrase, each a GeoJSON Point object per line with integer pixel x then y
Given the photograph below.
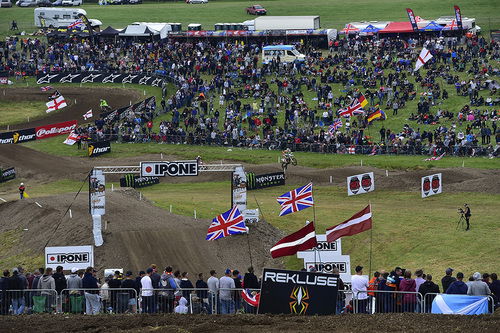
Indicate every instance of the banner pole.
{"type": "Point", "coordinates": [371, 244]}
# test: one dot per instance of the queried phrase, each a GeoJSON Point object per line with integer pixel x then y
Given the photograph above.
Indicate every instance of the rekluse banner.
{"type": "Point", "coordinates": [48, 131]}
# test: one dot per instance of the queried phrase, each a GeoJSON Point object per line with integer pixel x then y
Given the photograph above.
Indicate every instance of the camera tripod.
{"type": "Point", "coordinates": [461, 222]}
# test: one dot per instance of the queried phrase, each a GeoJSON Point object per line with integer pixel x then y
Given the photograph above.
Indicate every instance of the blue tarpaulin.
{"type": "Point", "coordinates": [460, 304]}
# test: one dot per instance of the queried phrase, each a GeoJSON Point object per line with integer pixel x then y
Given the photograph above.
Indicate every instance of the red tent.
{"type": "Point", "coordinates": [397, 27]}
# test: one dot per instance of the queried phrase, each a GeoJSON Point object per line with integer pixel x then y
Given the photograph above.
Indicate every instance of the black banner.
{"type": "Point", "coordinates": [139, 107]}
{"type": "Point", "coordinates": [20, 136]}
{"type": "Point", "coordinates": [7, 174]}
{"type": "Point", "coordinates": [297, 292]}
{"type": "Point", "coordinates": [255, 182]}
{"type": "Point", "coordinates": [95, 77]}
{"type": "Point", "coordinates": [138, 181]}
{"type": "Point", "coordinates": [98, 148]}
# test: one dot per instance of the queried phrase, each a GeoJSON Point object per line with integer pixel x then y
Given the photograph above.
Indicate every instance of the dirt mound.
{"type": "Point", "coordinates": [79, 101]}
{"type": "Point", "coordinates": [136, 234]}
{"type": "Point", "coordinates": [405, 322]}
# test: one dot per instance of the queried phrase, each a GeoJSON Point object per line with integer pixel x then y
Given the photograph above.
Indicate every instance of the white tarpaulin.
{"type": "Point", "coordinates": [97, 227]}
{"type": "Point", "coordinates": [360, 184]}
{"type": "Point", "coordinates": [431, 185]}
{"type": "Point", "coordinates": [97, 193]}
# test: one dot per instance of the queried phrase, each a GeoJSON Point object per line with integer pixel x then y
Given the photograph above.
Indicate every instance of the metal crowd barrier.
{"type": "Point", "coordinates": [94, 301]}
{"type": "Point", "coordinates": [382, 301]}
{"type": "Point", "coordinates": [28, 301]}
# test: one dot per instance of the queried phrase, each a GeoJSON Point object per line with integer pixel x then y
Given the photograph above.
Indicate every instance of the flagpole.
{"type": "Point", "coordinates": [371, 243]}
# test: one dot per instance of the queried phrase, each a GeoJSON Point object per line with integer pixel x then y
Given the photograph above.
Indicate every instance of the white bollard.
{"type": "Point", "coordinates": [70, 214]}
{"type": "Point", "coordinates": [75, 100]}
{"type": "Point", "coordinates": [170, 208]}
{"type": "Point", "coordinates": [195, 214]}
{"type": "Point", "coordinates": [331, 179]}
{"type": "Point", "coordinates": [130, 103]}
{"type": "Point", "coordinates": [140, 195]}
{"type": "Point", "coordinates": [112, 187]}
{"type": "Point", "coordinates": [386, 173]}
{"type": "Point", "coordinates": [7, 127]}
{"type": "Point", "coordinates": [105, 225]}
{"type": "Point", "coordinates": [144, 92]}
{"type": "Point", "coordinates": [361, 162]}
{"type": "Point", "coordinates": [28, 119]}
{"type": "Point", "coordinates": [161, 156]}
{"type": "Point", "coordinates": [463, 164]}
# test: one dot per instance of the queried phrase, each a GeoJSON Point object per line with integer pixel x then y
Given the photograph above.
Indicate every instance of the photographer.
{"type": "Point", "coordinates": [467, 216]}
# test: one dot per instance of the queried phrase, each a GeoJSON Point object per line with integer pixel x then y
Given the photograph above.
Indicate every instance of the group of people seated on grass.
{"type": "Point", "coordinates": [225, 96]}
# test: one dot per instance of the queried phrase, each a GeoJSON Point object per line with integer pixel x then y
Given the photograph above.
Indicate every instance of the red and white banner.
{"type": "Point", "coordinates": [56, 104]}
{"type": "Point", "coordinates": [301, 240]}
{"type": "Point", "coordinates": [424, 56]}
{"type": "Point", "coordinates": [48, 131]}
{"type": "Point", "coordinates": [431, 185]}
{"type": "Point", "coordinates": [359, 222]}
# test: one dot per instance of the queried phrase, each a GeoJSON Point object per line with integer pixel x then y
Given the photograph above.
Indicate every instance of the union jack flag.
{"type": "Point", "coordinates": [77, 24]}
{"type": "Point", "coordinates": [46, 88]}
{"type": "Point", "coordinates": [228, 223]}
{"type": "Point", "coordinates": [298, 199]}
{"type": "Point", "coordinates": [336, 125]}
{"type": "Point", "coordinates": [353, 109]}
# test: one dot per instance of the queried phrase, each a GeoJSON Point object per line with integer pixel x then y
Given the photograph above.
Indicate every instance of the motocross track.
{"type": "Point", "coordinates": [405, 322]}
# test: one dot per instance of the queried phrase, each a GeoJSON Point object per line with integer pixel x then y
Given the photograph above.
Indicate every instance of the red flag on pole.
{"type": "Point", "coordinates": [301, 240]}
{"type": "Point", "coordinates": [359, 222]}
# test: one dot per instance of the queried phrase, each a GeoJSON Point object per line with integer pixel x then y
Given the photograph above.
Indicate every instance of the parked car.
{"type": "Point", "coordinates": [26, 3]}
{"type": "Point", "coordinates": [115, 2]}
{"type": "Point", "coordinates": [72, 2]}
{"type": "Point", "coordinates": [256, 10]}
{"type": "Point", "coordinates": [5, 4]}
{"type": "Point", "coordinates": [131, 2]}
{"type": "Point", "coordinates": [197, 1]}
{"type": "Point", "coordinates": [43, 3]}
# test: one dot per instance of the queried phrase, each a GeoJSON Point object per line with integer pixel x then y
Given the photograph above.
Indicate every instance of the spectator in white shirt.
{"type": "Point", "coordinates": [147, 292]}
{"type": "Point", "coordinates": [226, 298]}
{"type": "Point", "coordinates": [359, 285]}
{"type": "Point", "coordinates": [213, 286]}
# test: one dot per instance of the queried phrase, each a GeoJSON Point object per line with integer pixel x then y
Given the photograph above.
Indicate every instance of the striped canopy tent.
{"type": "Point", "coordinates": [350, 29]}
{"type": "Point", "coordinates": [451, 26]}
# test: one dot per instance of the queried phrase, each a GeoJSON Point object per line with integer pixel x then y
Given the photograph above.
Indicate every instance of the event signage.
{"type": "Point", "coordinates": [4, 80]}
{"type": "Point", "coordinates": [48, 131]}
{"type": "Point", "coordinates": [97, 193]}
{"type": "Point", "coordinates": [326, 256]}
{"type": "Point", "coordinates": [360, 184]}
{"type": "Point", "coordinates": [297, 292]}
{"type": "Point", "coordinates": [135, 181]}
{"type": "Point", "coordinates": [250, 215]}
{"type": "Point", "coordinates": [96, 77]}
{"type": "Point", "coordinates": [458, 17]}
{"type": "Point", "coordinates": [7, 174]}
{"type": "Point", "coordinates": [98, 148]}
{"type": "Point", "coordinates": [412, 18]}
{"type": "Point", "coordinates": [431, 185]}
{"type": "Point", "coordinates": [239, 189]}
{"type": "Point", "coordinates": [172, 169]}
{"type": "Point", "coordinates": [255, 182]}
{"type": "Point", "coordinates": [68, 257]}
{"type": "Point", "coordinates": [139, 107]}
{"type": "Point", "coordinates": [19, 136]}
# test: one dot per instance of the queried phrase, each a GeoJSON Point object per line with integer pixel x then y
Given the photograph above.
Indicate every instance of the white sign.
{"type": "Point", "coordinates": [97, 230]}
{"type": "Point", "coordinates": [327, 255]}
{"type": "Point", "coordinates": [431, 185]}
{"type": "Point", "coordinates": [239, 188]}
{"type": "Point", "coordinates": [360, 184]}
{"type": "Point", "coordinates": [250, 215]}
{"type": "Point", "coordinates": [68, 257]}
{"type": "Point", "coordinates": [173, 169]}
{"type": "Point", "coordinates": [97, 193]}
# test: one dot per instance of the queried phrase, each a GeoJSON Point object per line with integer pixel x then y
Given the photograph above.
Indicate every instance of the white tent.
{"type": "Point", "coordinates": [138, 30]}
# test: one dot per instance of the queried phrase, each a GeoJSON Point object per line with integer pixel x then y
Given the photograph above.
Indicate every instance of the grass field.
{"type": "Point", "coordinates": [20, 112]}
{"type": "Point", "coordinates": [334, 13]}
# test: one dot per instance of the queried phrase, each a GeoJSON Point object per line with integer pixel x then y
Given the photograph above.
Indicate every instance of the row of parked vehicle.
{"type": "Point", "coordinates": [49, 3]}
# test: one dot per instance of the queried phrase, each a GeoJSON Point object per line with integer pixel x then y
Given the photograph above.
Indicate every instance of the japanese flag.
{"type": "Point", "coordinates": [424, 56]}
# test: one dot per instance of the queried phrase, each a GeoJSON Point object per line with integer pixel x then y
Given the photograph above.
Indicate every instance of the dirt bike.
{"type": "Point", "coordinates": [286, 160]}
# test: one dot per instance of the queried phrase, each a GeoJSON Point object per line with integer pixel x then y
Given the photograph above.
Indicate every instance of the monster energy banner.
{"type": "Point", "coordinates": [93, 77]}
{"type": "Point", "coordinates": [147, 104]}
{"type": "Point", "coordinates": [255, 182]}
{"type": "Point", "coordinates": [138, 181]}
{"type": "Point", "coordinates": [7, 174]}
{"type": "Point", "coordinates": [297, 292]}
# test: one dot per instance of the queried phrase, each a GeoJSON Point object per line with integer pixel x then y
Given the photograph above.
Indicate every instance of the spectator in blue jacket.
{"type": "Point", "coordinates": [458, 286]}
{"type": "Point", "coordinates": [92, 298]}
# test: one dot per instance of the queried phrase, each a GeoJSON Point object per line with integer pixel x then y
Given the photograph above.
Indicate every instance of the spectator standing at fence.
{"type": "Point", "coordinates": [147, 292]}
{"type": "Point", "coordinates": [359, 285]}
{"type": "Point", "coordinates": [129, 283]}
{"type": "Point", "coordinates": [458, 287]}
{"type": "Point", "coordinates": [92, 298]}
{"type": "Point", "coordinates": [201, 295]}
{"type": "Point", "coordinates": [38, 274]}
{"type": "Point", "coordinates": [447, 279]}
{"type": "Point", "coordinates": [155, 277]}
{"type": "Point", "coordinates": [340, 303]}
{"type": "Point", "coordinates": [409, 298]}
{"type": "Point", "coordinates": [17, 287]}
{"type": "Point", "coordinates": [495, 289]}
{"type": "Point", "coordinates": [186, 284]}
{"type": "Point", "coordinates": [226, 284]}
{"type": "Point", "coordinates": [47, 283]}
{"type": "Point", "coordinates": [74, 282]}
{"type": "Point", "coordinates": [428, 287]}
{"type": "Point", "coordinates": [114, 283]}
{"type": "Point", "coordinates": [169, 287]}
{"type": "Point", "coordinates": [4, 293]}
{"type": "Point", "coordinates": [237, 285]}
{"type": "Point", "coordinates": [60, 279]}
{"type": "Point", "coordinates": [478, 287]}
{"type": "Point", "coordinates": [138, 281]}
{"type": "Point", "coordinates": [250, 281]}
{"type": "Point", "coordinates": [213, 286]}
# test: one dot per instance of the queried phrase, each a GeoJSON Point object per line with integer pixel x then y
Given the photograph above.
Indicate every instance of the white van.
{"type": "Point", "coordinates": [72, 2]}
{"type": "Point", "coordinates": [287, 54]}
{"type": "Point", "coordinates": [54, 17]}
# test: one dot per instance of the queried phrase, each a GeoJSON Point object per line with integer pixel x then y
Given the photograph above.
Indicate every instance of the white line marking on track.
{"type": "Point", "coordinates": [38, 204]}
{"type": "Point", "coordinates": [3, 199]}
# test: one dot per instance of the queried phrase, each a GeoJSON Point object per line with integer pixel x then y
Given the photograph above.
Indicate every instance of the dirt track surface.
{"type": "Point", "coordinates": [407, 322]}
{"type": "Point", "coordinates": [86, 99]}
{"type": "Point", "coordinates": [138, 234]}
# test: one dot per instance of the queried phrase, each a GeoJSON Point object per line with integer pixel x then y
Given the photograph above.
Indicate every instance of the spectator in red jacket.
{"type": "Point", "coordinates": [409, 300]}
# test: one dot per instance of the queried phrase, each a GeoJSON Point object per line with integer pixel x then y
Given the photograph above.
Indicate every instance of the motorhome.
{"type": "Point", "coordinates": [60, 17]}
{"type": "Point", "coordinates": [286, 53]}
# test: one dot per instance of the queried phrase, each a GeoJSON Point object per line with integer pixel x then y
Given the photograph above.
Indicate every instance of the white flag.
{"type": "Point", "coordinates": [56, 104]}
{"type": "Point", "coordinates": [88, 114]}
{"type": "Point", "coordinates": [71, 139]}
{"type": "Point", "coordinates": [424, 56]}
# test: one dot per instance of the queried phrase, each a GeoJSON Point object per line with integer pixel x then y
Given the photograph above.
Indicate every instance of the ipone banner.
{"type": "Point", "coordinates": [172, 169]}
{"type": "Point", "coordinates": [431, 185]}
{"type": "Point", "coordinates": [98, 148]}
{"type": "Point", "coordinates": [68, 257]}
{"type": "Point", "coordinates": [48, 131]}
{"type": "Point", "coordinates": [255, 182]}
{"type": "Point", "coordinates": [19, 136]}
{"type": "Point", "coordinates": [360, 184]}
{"type": "Point", "coordinates": [93, 77]}
{"type": "Point", "coordinates": [97, 193]}
{"type": "Point", "coordinates": [7, 174]}
{"type": "Point", "coordinates": [135, 181]}
{"type": "Point", "coordinates": [297, 292]}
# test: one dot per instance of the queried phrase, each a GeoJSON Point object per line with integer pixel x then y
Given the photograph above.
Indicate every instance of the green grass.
{"type": "Point", "coordinates": [13, 252]}
{"type": "Point", "coordinates": [54, 146]}
{"type": "Point", "coordinates": [334, 13]}
{"type": "Point", "coordinates": [22, 112]}
{"type": "Point", "coordinates": [408, 231]}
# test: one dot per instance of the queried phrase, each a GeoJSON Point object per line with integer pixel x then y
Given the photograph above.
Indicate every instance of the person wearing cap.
{"type": "Point", "coordinates": [22, 188]}
{"type": "Point", "coordinates": [226, 284]}
{"type": "Point", "coordinates": [92, 298]}
{"type": "Point", "coordinates": [447, 279]}
{"type": "Point", "coordinates": [129, 283]}
{"type": "Point", "coordinates": [359, 285]}
{"type": "Point", "coordinates": [74, 282]}
{"type": "Point", "coordinates": [458, 286]}
{"type": "Point", "coordinates": [169, 287]}
{"type": "Point", "coordinates": [147, 292]}
{"type": "Point", "coordinates": [478, 287]}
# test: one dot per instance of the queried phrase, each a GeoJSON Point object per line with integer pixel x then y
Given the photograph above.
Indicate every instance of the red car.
{"type": "Point", "coordinates": [256, 10]}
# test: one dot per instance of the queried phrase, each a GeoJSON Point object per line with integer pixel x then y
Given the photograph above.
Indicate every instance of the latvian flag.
{"type": "Point", "coordinates": [88, 115]}
{"type": "Point", "coordinates": [359, 222]}
{"type": "Point", "coordinates": [301, 240]}
{"type": "Point", "coordinates": [56, 104]}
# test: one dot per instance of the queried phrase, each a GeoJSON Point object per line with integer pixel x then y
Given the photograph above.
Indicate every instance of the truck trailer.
{"type": "Point", "coordinates": [285, 23]}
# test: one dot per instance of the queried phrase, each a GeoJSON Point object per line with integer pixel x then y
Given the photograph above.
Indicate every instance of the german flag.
{"type": "Point", "coordinates": [362, 100]}
{"type": "Point", "coordinates": [375, 115]}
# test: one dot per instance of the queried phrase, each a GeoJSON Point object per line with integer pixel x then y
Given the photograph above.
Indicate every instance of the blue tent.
{"type": "Point", "coordinates": [370, 29]}
{"type": "Point", "coordinates": [432, 26]}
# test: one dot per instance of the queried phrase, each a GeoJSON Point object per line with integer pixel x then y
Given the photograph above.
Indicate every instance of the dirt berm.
{"type": "Point", "coordinates": [137, 234]}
